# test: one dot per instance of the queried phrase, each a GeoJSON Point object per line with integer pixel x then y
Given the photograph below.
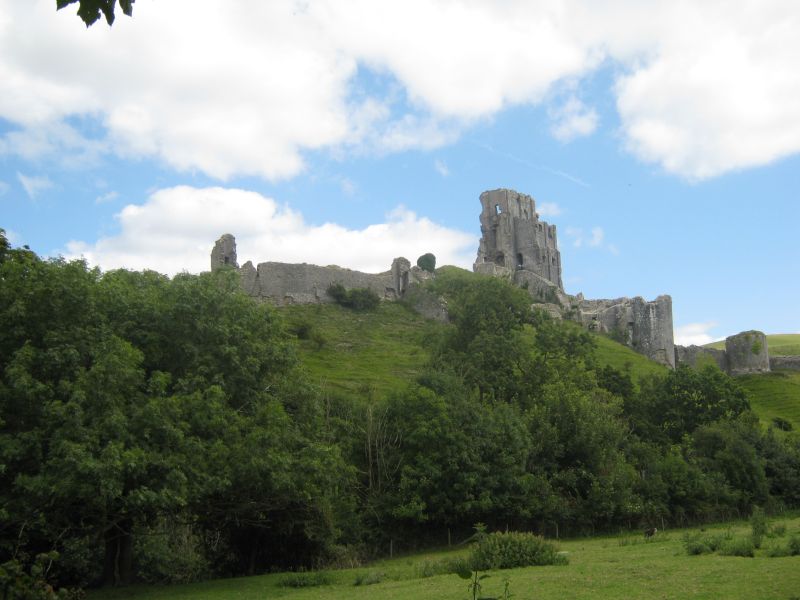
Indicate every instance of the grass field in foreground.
{"type": "Point", "coordinates": [782, 344]}
{"type": "Point", "coordinates": [601, 568]}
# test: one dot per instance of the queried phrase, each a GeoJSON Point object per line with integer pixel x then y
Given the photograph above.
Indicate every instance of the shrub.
{"type": "Point", "coordinates": [369, 578]}
{"type": "Point", "coordinates": [444, 566]}
{"type": "Point", "coordinates": [742, 546]}
{"type": "Point", "coordinates": [356, 298]}
{"type": "Point", "coordinates": [19, 584]}
{"type": "Point", "coordinates": [302, 330]}
{"type": "Point", "coordinates": [794, 545]}
{"type": "Point", "coordinates": [427, 262]}
{"type": "Point", "coordinates": [778, 530]}
{"type": "Point", "coordinates": [303, 579]}
{"type": "Point", "coordinates": [514, 549]}
{"type": "Point", "coordinates": [695, 545]}
{"type": "Point", "coordinates": [782, 424]}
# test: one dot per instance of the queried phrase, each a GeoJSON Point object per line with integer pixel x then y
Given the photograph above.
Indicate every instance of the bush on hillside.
{"type": "Point", "coordinates": [356, 298]}
{"type": "Point", "coordinates": [427, 262]}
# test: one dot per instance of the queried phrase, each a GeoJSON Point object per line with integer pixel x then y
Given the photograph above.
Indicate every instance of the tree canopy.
{"type": "Point", "coordinates": [90, 11]}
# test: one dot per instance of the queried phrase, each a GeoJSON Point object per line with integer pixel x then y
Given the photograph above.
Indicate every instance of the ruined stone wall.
{"type": "Point", "coordinates": [645, 326]}
{"type": "Point", "coordinates": [694, 356]}
{"type": "Point", "coordinates": [286, 283]}
{"type": "Point", "coordinates": [787, 363]}
{"type": "Point", "coordinates": [513, 238]}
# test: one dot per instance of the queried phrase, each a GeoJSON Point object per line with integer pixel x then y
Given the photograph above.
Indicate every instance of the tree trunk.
{"type": "Point", "coordinates": [118, 564]}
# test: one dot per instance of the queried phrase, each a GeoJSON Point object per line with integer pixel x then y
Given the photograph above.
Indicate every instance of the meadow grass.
{"type": "Point", "coordinates": [782, 344]}
{"type": "Point", "coordinates": [775, 394]}
{"type": "Point", "coordinates": [601, 568]}
{"type": "Point", "coordinates": [621, 357]}
{"type": "Point", "coordinates": [370, 352]}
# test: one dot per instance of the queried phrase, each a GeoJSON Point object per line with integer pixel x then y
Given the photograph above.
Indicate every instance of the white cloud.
{"type": "Point", "coordinates": [243, 88]}
{"type": "Point", "coordinates": [107, 197]}
{"type": "Point", "coordinates": [695, 333]}
{"type": "Point", "coordinates": [572, 120]}
{"type": "Point", "coordinates": [441, 168]}
{"type": "Point", "coordinates": [596, 238]}
{"type": "Point", "coordinates": [718, 90]}
{"type": "Point", "coordinates": [175, 229]}
{"type": "Point", "coordinates": [548, 209]}
{"type": "Point", "coordinates": [33, 185]}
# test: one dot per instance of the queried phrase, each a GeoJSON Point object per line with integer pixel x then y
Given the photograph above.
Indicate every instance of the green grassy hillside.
{"type": "Point", "coordinates": [352, 352]}
{"type": "Point", "coordinates": [623, 358]}
{"type": "Point", "coordinates": [783, 344]}
{"type": "Point", "coordinates": [356, 352]}
{"type": "Point", "coordinates": [601, 568]}
{"type": "Point", "coordinates": [774, 395]}
{"type": "Point", "coordinates": [363, 353]}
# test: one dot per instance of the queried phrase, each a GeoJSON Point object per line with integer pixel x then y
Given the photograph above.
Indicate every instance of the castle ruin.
{"type": "Point", "coordinates": [517, 245]}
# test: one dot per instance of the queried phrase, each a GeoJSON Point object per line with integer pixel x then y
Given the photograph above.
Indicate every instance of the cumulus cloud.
{"type": "Point", "coordinates": [548, 209]}
{"type": "Point", "coordinates": [107, 197]}
{"type": "Point", "coordinates": [571, 120]}
{"type": "Point", "coordinates": [175, 229]}
{"type": "Point", "coordinates": [34, 185]}
{"type": "Point", "coordinates": [245, 88]}
{"type": "Point", "coordinates": [695, 333]}
{"type": "Point", "coordinates": [594, 239]}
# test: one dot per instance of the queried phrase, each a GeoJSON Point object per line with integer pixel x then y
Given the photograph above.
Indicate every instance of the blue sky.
{"type": "Point", "coordinates": [661, 138]}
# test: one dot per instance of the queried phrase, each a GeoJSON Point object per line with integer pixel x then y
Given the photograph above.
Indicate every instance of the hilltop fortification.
{"type": "Point", "coordinates": [518, 245]}
{"type": "Point", "coordinates": [515, 244]}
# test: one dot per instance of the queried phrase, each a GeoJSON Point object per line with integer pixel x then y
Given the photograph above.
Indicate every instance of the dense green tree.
{"type": "Point", "coordinates": [670, 406]}
{"type": "Point", "coordinates": [485, 344]}
{"type": "Point", "coordinates": [427, 262]}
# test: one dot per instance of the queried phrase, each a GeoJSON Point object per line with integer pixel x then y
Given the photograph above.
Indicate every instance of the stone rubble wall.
{"type": "Point", "coordinates": [694, 356]}
{"type": "Point", "coordinates": [286, 283]}
{"type": "Point", "coordinates": [785, 363]}
{"type": "Point", "coordinates": [645, 326]}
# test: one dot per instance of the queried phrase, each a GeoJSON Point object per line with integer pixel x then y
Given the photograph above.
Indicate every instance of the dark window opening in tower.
{"type": "Point", "coordinates": [227, 260]}
{"type": "Point", "coordinates": [500, 259]}
{"type": "Point", "coordinates": [519, 260]}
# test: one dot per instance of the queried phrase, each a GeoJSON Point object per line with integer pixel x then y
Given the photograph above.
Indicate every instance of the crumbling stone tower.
{"type": "Point", "coordinates": [514, 239]}
{"type": "Point", "coordinates": [517, 245]}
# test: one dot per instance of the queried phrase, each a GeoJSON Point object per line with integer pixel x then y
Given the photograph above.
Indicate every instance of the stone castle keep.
{"type": "Point", "coordinates": [517, 245]}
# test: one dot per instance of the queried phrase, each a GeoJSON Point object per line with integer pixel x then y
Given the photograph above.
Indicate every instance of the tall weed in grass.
{"type": "Point", "coordinates": [696, 543]}
{"type": "Point", "coordinates": [758, 525]}
{"type": "Point", "coordinates": [303, 579]}
{"type": "Point", "coordinates": [738, 546]}
{"type": "Point", "coordinates": [369, 578]}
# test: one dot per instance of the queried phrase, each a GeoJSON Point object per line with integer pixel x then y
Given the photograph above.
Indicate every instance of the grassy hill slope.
{"type": "Point", "coordinates": [374, 353]}
{"type": "Point", "coordinates": [782, 344]}
{"type": "Point", "coordinates": [359, 351]}
{"type": "Point", "coordinates": [773, 395]}
{"type": "Point", "coordinates": [382, 350]}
